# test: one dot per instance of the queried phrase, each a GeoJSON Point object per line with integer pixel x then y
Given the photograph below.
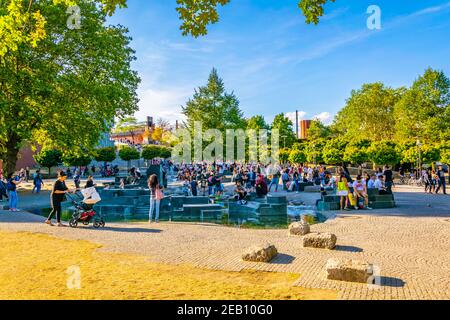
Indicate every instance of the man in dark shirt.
{"type": "Point", "coordinates": [441, 182]}
{"type": "Point", "coordinates": [57, 197]}
{"type": "Point", "coordinates": [388, 179]}
{"type": "Point", "coordinates": [194, 185]}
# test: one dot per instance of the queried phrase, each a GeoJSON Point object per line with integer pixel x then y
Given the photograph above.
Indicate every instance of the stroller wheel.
{"type": "Point", "coordinates": [97, 224]}
{"type": "Point", "coordinates": [102, 223]}
{"type": "Point", "coordinates": [73, 223]}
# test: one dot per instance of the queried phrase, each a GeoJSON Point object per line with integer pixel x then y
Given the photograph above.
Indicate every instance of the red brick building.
{"type": "Point", "coordinates": [24, 159]}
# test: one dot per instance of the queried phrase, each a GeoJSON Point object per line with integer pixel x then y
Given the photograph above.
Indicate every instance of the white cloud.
{"type": "Point", "coordinates": [163, 103]}
{"type": "Point", "coordinates": [325, 117]}
{"type": "Point", "coordinates": [292, 116]}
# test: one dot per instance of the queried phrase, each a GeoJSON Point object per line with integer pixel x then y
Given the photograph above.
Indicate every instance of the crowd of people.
{"type": "Point", "coordinates": [208, 179]}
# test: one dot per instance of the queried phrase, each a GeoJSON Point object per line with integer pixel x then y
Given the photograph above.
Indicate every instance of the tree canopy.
{"type": "Point", "coordinates": [285, 127]}
{"type": "Point", "coordinates": [424, 111]}
{"type": "Point", "coordinates": [257, 123]}
{"type": "Point", "coordinates": [105, 154]}
{"type": "Point", "coordinates": [128, 154]}
{"type": "Point", "coordinates": [318, 130]}
{"type": "Point", "coordinates": [369, 113]}
{"type": "Point", "coordinates": [49, 158]}
{"type": "Point", "coordinates": [23, 22]}
{"type": "Point", "coordinates": [65, 92]}
{"type": "Point", "coordinates": [214, 107]}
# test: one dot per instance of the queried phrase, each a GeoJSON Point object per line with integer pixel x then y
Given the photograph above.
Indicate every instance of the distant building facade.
{"type": "Point", "coordinates": [25, 158]}
{"type": "Point", "coordinates": [138, 136]}
{"type": "Point", "coordinates": [303, 129]}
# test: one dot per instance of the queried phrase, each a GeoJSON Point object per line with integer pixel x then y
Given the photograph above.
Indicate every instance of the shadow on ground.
{"type": "Point", "coordinates": [348, 249]}
{"type": "Point", "coordinates": [392, 282]}
{"type": "Point", "coordinates": [131, 230]}
{"type": "Point", "coordinates": [282, 258]}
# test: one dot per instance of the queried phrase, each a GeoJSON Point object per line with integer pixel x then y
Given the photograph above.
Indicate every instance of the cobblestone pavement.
{"type": "Point", "coordinates": [411, 252]}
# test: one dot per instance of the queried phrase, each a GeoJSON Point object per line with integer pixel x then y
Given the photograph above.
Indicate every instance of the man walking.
{"type": "Point", "coordinates": [441, 182]}
{"type": "Point", "coordinates": [38, 182]}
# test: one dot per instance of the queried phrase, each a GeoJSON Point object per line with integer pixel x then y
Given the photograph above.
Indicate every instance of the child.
{"type": "Point", "coordinates": [343, 191]}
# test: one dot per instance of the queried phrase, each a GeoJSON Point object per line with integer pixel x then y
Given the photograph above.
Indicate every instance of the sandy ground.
{"type": "Point", "coordinates": [37, 266]}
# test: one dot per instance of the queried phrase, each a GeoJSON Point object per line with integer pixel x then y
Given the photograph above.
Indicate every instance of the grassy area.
{"type": "Point", "coordinates": [34, 266]}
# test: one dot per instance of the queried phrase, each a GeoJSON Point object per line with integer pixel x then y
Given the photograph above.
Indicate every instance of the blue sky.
{"type": "Point", "coordinates": [274, 62]}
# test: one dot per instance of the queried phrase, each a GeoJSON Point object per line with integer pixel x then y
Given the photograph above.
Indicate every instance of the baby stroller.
{"type": "Point", "coordinates": [84, 209]}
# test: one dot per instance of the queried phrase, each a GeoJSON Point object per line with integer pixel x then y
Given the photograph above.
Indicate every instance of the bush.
{"type": "Point", "coordinates": [355, 154]}
{"type": "Point", "coordinates": [152, 152]}
{"type": "Point", "coordinates": [105, 154]}
{"type": "Point", "coordinates": [129, 153]}
{"type": "Point", "coordinates": [77, 159]}
{"type": "Point", "coordinates": [283, 155]}
{"type": "Point", "coordinates": [297, 157]}
{"type": "Point", "coordinates": [383, 152]}
{"type": "Point", "coordinates": [333, 152]}
{"type": "Point", "coordinates": [49, 158]}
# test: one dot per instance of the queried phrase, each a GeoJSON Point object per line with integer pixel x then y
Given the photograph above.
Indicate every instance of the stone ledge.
{"type": "Point", "coordinates": [320, 240]}
{"type": "Point", "coordinates": [349, 270]}
{"type": "Point", "coordinates": [260, 253]}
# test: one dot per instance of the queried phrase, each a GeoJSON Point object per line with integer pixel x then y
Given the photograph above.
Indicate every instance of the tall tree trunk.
{"type": "Point", "coordinates": [12, 152]}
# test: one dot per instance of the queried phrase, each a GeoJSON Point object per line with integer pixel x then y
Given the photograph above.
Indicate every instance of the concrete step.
{"type": "Point", "coordinates": [382, 204]}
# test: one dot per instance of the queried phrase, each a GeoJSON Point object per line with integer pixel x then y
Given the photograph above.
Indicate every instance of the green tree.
{"type": "Point", "coordinates": [105, 154]}
{"type": "Point", "coordinates": [369, 113]}
{"type": "Point", "coordinates": [165, 153]}
{"type": "Point", "coordinates": [383, 152]}
{"type": "Point", "coordinates": [23, 23]}
{"type": "Point", "coordinates": [128, 154]}
{"type": "Point", "coordinates": [283, 155]}
{"type": "Point", "coordinates": [214, 107]}
{"type": "Point", "coordinates": [285, 127]}
{"type": "Point", "coordinates": [257, 123]}
{"type": "Point", "coordinates": [151, 152]}
{"type": "Point", "coordinates": [356, 152]}
{"type": "Point", "coordinates": [313, 9]}
{"type": "Point", "coordinates": [318, 130]}
{"type": "Point", "coordinates": [313, 151]}
{"type": "Point", "coordinates": [333, 152]}
{"type": "Point", "coordinates": [424, 111]}
{"type": "Point", "coordinates": [445, 152]}
{"type": "Point", "coordinates": [49, 158]}
{"type": "Point", "coordinates": [297, 157]}
{"type": "Point", "coordinates": [428, 154]}
{"type": "Point", "coordinates": [74, 79]}
{"type": "Point", "coordinates": [76, 159]}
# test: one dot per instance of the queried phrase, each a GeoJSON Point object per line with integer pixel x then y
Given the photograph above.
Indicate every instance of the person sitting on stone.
{"type": "Point", "coordinates": [261, 187]}
{"type": "Point", "coordinates": [240, 193]}
{"type": "Point", "coordinates": [360, 191]}
{"type": "Point", "coordinates": [371, 182]}
{"type": "Point", "coordinates": [379, 184]}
